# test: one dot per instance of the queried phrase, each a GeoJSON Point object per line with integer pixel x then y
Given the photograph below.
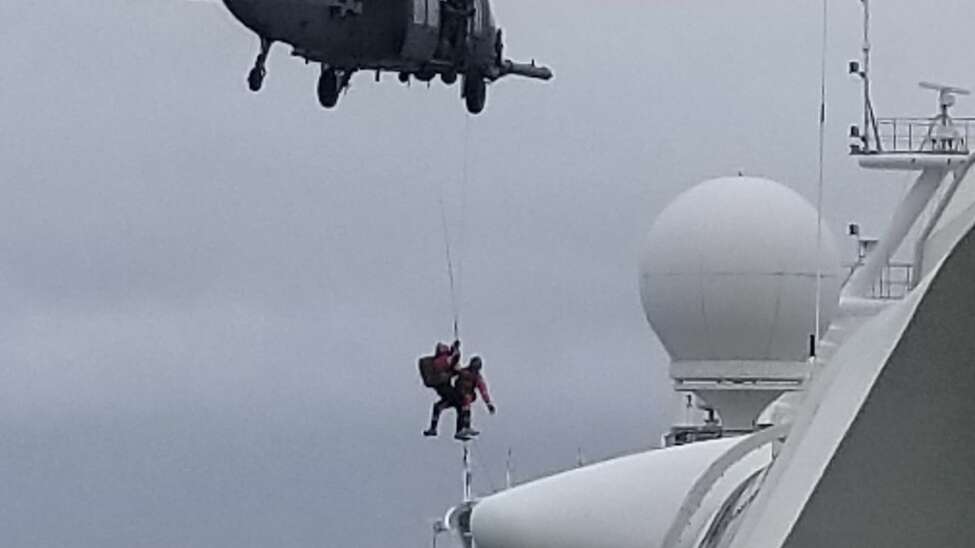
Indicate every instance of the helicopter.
{"type": "Point", "coordinates": [421, 39]}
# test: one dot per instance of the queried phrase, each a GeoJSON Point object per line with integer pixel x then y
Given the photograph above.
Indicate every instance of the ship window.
{"type": "Point", "coordinates": [419, 11]}
{"type": "Point", "coordinates": [479, 17]}
{"type": "Point", "coordinates": [433, 13]}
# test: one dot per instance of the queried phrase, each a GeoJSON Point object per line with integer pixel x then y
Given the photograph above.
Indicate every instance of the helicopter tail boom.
{"type": "Point", "coordinates": [527, 70]}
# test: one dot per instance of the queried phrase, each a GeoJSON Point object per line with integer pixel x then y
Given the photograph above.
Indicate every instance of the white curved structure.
{"type": "Point", "coordinates": [629, 502]}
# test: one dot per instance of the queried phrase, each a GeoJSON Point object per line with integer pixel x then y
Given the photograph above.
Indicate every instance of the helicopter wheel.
{"type": "Point", "coordinates": [328, 88]}
{"type": "Point", "coordinates": [256, 79]}
{"type": "Point", "coordinates": [449, 78]}
{"type": "Point", "coordinates": [475, 93]}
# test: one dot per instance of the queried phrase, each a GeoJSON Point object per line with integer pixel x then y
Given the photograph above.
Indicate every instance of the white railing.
{"type": "Point", "coordinates": [682, 532]}
{"type": "Point", "coordinates": [895, 281]}
{"type": "Point", "coordinates": [921, 135]}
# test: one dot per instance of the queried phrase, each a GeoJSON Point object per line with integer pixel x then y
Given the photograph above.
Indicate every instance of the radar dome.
{"type": "Point", "coordinates": [729, 273]}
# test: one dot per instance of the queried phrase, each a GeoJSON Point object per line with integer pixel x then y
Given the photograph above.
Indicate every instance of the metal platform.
{"type": "Point", "coordinates": [920, 136]}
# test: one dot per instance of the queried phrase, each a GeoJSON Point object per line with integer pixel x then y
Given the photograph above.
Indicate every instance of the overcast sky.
{"type": "Point", "coordinates": [213, 301]}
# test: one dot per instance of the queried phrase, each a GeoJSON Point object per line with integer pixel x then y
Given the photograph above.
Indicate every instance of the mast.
{"type": "Point", "coordinates": [861, 68]}
{"type": "Point", "coordinates": [468, 476]}
{"type": "Point", "coordinates": [507, 471]}
{"type": "Point", "coordinates": [867, 107]}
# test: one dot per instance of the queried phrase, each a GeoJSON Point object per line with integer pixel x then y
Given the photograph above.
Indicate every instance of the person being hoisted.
{"type": "Point", "coordinates": [468, 383]}
{"type": "Point", "coordinates": [437, 372]}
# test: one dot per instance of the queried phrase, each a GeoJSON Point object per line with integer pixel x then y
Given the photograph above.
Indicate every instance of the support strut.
{"type": "Point", "coordinates": [256, 77]}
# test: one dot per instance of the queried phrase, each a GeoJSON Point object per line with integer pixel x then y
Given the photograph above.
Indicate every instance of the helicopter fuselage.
{"type": "Point", "coordinates": [396, 35]}
{"type": "Point", "coordinates": [455, 39]}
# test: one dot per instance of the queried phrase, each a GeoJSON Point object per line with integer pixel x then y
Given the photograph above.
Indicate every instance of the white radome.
{"type": "Point", "coordinates": [729, 273]}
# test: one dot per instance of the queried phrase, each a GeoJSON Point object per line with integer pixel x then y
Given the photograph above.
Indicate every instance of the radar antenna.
{"type": "Point", "coordinates": [946, 95]}
{"type": "Point", "coordinates": [942, 135]}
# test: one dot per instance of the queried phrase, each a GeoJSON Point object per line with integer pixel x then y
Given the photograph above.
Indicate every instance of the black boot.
{"type": "Point", "coordinates": [432, 431]}
{"type": "Point", "coordinates": [464, 430]}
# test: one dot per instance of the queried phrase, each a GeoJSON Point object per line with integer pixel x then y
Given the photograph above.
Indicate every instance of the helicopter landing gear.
{"type": "Point", "coordinates": [448, 78]}
{"type": "Point", "coordinates": [330, 85]}
{"type": "Point", "coordinates": [255, 79]}
{"type": "Point", "coordinates": [475, 92]}
{"type": "Point", "coordinates": [328, 88]}
{"type": "Point", "coordinates": [499, 48]}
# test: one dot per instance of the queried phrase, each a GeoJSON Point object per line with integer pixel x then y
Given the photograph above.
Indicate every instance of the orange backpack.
{"type": "Point", "coordinates": [429, 373]}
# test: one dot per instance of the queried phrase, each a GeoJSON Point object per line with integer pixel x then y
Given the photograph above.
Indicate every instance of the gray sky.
{"type": "Point", "coordinates": [213, 301]}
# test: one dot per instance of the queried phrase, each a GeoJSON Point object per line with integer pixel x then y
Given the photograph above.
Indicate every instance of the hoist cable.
{"type": "Point", "coordinates": [450, 269]}
{"type": "Point", "coordinates": [455, 263]}
{"type": "Point", "coordinates": [462, 236]}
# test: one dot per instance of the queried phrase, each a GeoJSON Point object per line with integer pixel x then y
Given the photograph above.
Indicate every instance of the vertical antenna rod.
{"type": "Point", "coordinates": [819, 188]}
{"type": "Point", "coordinates": [867, 107]}
{"type": "Point", "coordinates": [870, 127]}
{"type": "Point", "coordinates": [468, 475]}
{"type": "Point", "coordinates": [507, 471]}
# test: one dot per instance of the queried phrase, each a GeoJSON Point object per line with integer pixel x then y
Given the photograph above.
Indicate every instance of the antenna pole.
{"type": "Point", "coordinates": [819, 186]}
{"type": "Point", "coordinates": [869, 117]}
{"type": "Point", "coordinates": [866, 66]}
{"type": "Point", "coordinates": [468, 475]}
{"type": "Point", "coordinates": [507, 471]}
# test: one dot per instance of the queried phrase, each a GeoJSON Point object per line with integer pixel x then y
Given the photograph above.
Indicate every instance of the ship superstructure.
{"type": "Point", "coordinates": [870, 369]}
